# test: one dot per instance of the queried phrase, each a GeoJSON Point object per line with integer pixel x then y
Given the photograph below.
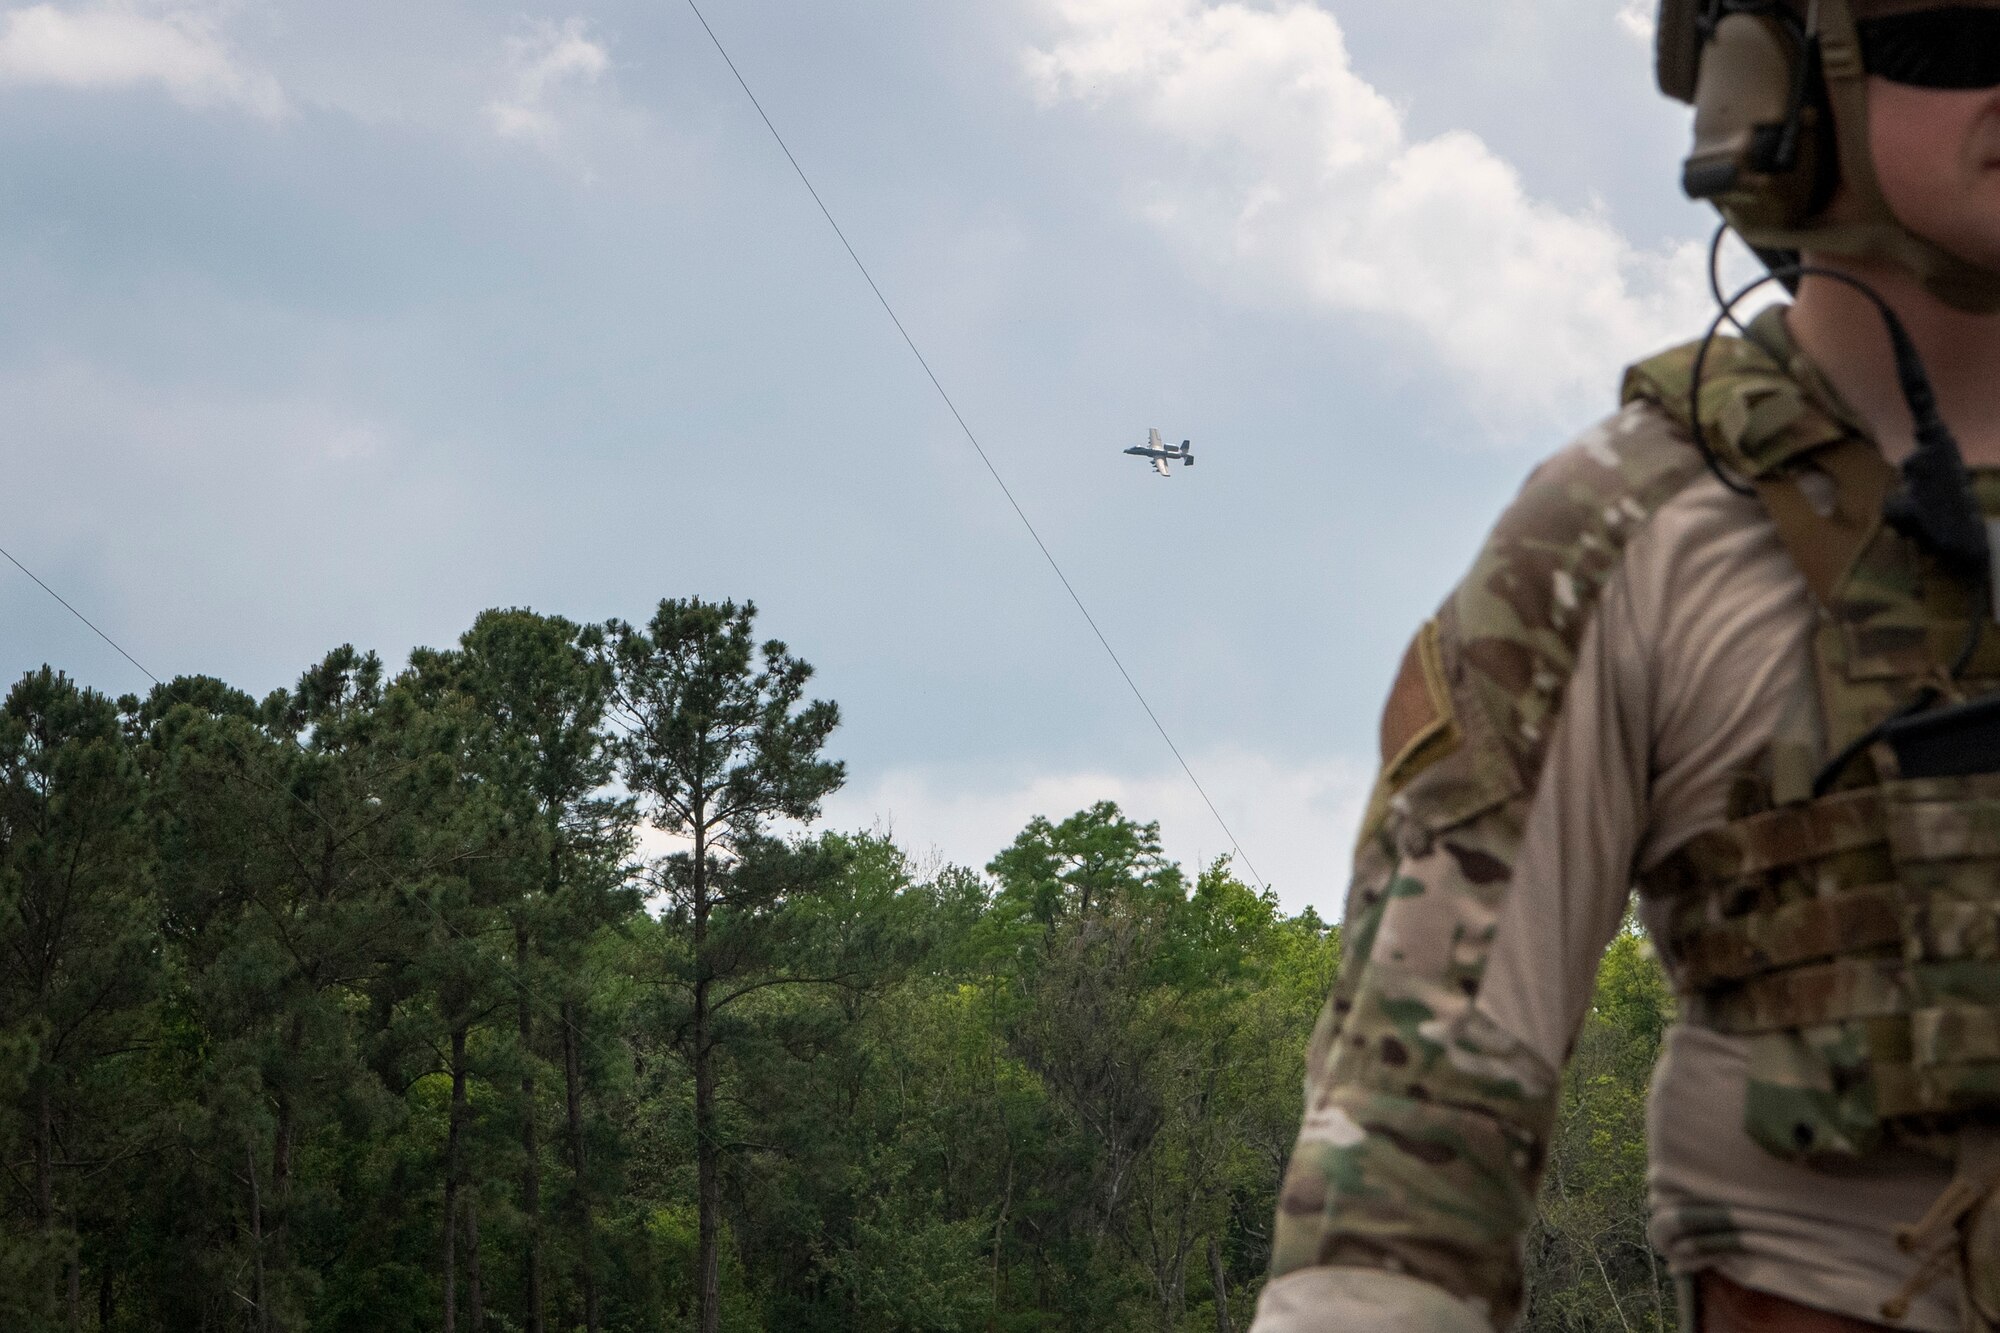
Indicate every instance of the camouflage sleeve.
{"type": "Point", "coordinates": [1426, 1124]}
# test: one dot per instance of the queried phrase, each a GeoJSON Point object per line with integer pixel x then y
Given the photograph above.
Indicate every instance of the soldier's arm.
{"type": "Point", "coordinates": [1489, 876]}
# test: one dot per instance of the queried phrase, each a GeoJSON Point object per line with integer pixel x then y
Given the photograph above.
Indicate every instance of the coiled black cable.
{"type": "Point", "coordinates": [1934, 506]}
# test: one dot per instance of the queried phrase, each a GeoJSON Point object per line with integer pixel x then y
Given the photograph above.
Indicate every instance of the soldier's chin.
{"type": "Point", "coordinates": [1987, 214]}
{"type": "Point", "coordinates": [1967, 225]}
{"type": "Point", "coordinates": [1975, 238]}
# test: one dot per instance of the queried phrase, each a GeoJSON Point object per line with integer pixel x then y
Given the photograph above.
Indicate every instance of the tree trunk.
{"type": "Point", "coordinates": [1218, 1280]}
{"type": "Point", "coordinates": [531, 1158]}
{"type": "Point", "coordinates": [475, 1299]}
{"type": "Point", "coordinates": [256, 1235]}
{"type": "Point", "coordinates": [104, 1303]}
{"type": "Point", "coordinates": [451, 1156]}
{"type": "Point", "coordinates": [281, 1164]}
{"type": "Point", "coordinates": [708, 1183]}
{"type": "Point", "coordinates": [1000, 1239]}
{"type": "Point", "coordinates": [281, 1143]}
{"type": "Point", "coordinates": [1163, 1288]}
{"type": "Point", "coordinates": [45, 1173]}
{"type": "Point", "coordinates": [73, 1290]}
{"type": "Point", "coordinates": [45, 1164]}
{"type": "Point", "coordinates": [573, 1096]}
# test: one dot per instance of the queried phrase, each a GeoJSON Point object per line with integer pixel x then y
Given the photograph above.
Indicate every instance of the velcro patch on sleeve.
{"type": "Point", "coordinates": [1418, 728]}
{"type": "Point", "coordinates": [1418, 725]}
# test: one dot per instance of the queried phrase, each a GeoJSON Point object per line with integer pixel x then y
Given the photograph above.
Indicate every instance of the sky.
{"type": "Point", "coordinates": [337, 324]}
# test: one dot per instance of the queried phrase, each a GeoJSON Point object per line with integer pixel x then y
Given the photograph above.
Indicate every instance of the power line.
{"type": "Point", "coordinates": [79, 615]}
{"type": "Point", "coordinates": [439, 916]}
{"type": "Point", "coordinates": [957, 416]}
{"type": "Point", "coordinates": [1020, 513]}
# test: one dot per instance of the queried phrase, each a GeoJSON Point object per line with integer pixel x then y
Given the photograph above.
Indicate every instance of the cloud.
{"type": "Point", "coordinates": [1284, 175]}
{"type": "Point", "coordinates": [130, 420]}
{"type": "Point", "coordinates": [538, 67]}
{"type": "Point", "coordinates": [1637, 17]}
{"type": "Point", "coordinates": [113, 46]}
{"type": "Point", "coordinates": [1296, 821]}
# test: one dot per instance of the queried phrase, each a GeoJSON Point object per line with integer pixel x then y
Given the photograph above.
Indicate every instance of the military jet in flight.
{"type": "Point", "coordinates": [1162, 454]}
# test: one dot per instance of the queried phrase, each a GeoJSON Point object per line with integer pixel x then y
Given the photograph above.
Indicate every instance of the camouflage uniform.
{"type": "Point", "coordinates": [1433, 1072]}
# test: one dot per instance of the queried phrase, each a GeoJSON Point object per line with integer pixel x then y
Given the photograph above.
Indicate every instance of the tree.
{"type": "Point", "coordinates": [1090, 901]}
{"type": "Point", "coordinates": [77, 961]}
{"type": "Point", "coordinates": [718, 742]}
{"type": "Point", "coordinates": [218, 794]}
{"type": "Point", "coordinates": [1590, 1263]}
{"type": "Point", "coordinates": [342, 1009]}
{"type": "Point", "coordinates": [539, 750]}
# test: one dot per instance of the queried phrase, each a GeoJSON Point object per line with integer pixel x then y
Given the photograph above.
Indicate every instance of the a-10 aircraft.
{"type": "Point", "coordinates": [1163, 454]}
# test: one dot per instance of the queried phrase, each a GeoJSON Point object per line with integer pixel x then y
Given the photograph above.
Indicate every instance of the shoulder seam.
{"type": "Point", "coordinates": [1511, 631]}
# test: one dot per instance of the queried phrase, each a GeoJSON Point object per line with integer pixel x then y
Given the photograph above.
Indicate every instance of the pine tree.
{"type": "Point", "coordinates": [537, 747]}
{"type": "Point", "coordinates": [717, 743]}
{"type": "Point", "coordinates": [78, 970]}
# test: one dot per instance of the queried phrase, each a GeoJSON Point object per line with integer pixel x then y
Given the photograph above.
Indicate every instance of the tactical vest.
{"type": "Point", "coordinates": [1852, 938]}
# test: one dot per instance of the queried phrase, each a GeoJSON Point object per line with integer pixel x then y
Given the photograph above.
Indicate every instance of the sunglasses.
{"type": "Point", "coordinates": [1951, 47]}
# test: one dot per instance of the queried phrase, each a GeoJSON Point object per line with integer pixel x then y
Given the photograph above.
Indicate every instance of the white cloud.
{"type": "Point", "coordinates": [1637, 17]}
{"type": "Point", "coordinates": [141, 423]}
{"type": "Point", "coordinates": [1296, 821]}
{"type": "Point", "coordinates": [538, 67]}
{"type": "Point", "coordinates": [116, 46]}
{"type": "Point", "coordinates": [1285, 175]}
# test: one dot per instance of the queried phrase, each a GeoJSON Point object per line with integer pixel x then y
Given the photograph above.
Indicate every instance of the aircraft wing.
{"type": "Point", "coordinates": [1152, 439]}
{"type": "Point", "coordinates": [1160, 466]}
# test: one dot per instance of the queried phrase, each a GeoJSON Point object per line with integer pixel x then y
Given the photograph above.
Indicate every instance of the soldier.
{"type": "Point", "coordinates": [1732, 647]}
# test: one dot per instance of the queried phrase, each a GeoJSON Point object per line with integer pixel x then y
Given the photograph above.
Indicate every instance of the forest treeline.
{"type": "Point", "coordinates": [361, 1007]}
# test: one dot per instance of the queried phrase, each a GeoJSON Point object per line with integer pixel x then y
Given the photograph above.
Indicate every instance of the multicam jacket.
{"type": "Point", "coordinates": [1429, 1098]}
{"type": "Point", "coordinates": [1426, 1125]}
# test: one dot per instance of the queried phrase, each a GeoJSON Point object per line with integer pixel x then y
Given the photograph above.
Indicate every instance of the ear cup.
{"type": "Point", "coordinates": [1677, 48]}
{"type": "Point", "coordinates": [1779, 89]}
{"type": "Point", "coordinates": [1762, 130]}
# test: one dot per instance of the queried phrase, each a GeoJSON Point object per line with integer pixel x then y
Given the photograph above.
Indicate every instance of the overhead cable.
{"type": "Point", "coordinates": [527, 990]}
{"type": "Point", "coordinates": [972, 439]}
{"type": "Point", "coordinates": [79, 615]}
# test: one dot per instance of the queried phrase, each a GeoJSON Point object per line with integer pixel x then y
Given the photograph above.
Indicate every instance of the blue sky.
{"type": "Point", "coordinates": [339, 323]}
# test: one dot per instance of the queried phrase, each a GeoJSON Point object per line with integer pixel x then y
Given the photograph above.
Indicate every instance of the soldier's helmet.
{"type": "Point", "coordinates": [1781, 118]}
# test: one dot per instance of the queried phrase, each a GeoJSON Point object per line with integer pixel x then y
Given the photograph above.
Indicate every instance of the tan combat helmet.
{"type": "Point", "coordinates": [1779, 89]}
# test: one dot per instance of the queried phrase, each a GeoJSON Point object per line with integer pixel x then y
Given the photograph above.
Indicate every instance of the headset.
{"type": "Point", "coordinates": [1779, 90]}
{"type": "Point", "coordinates": [1769, 154]}
{"type": "Point", "coordinates": [1763, 147]}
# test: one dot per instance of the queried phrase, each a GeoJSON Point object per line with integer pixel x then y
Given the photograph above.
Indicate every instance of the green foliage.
{"type": "Point", "coordinates": [1590, 1265]}
{"type": "Point", "coordinates": [356, 1007]}
{"type": "Point", "coordinates": [718, 740]}
{"type": "Point", "coordinates": [79, 974]}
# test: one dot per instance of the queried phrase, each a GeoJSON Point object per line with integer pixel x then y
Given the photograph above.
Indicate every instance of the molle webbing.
{"type": "Point", "coordinates": [1878, 908]}
{"type": "Point", "coordinates": [1761, 907]}
{"type": "Point", "coordinates": [1853, 939]}
{"type": "Point", "coordinates": [1866, 922]}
